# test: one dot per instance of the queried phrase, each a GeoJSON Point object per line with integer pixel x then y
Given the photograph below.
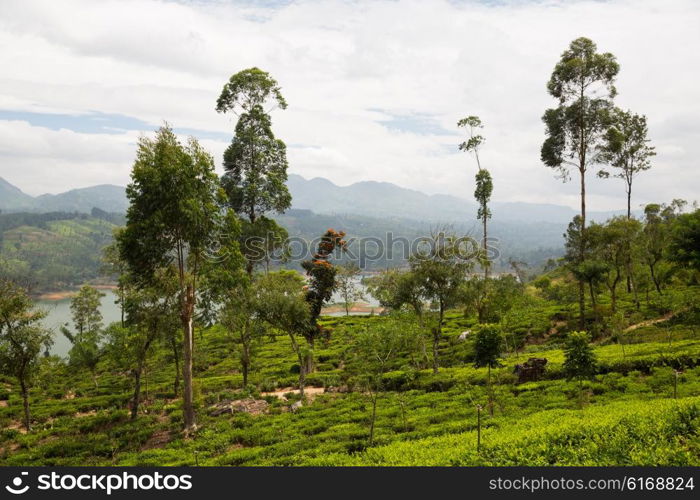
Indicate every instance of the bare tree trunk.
{"type": "Point", "coordinates": [300, 358]}
{"type": "Point", "coordinates": [137, 392]}
{"type": "Point", "coordinates": [188, 327]}
{"type": "Point", "coordinates": [654, 279]}
{"type": "Point", "coordinates": [245, 363]}
{"type": "Point", "coordinates": [490, 393]}
{"type": "Point", "coordinates": [25, 403]}
{"type": "Point", "coordinates": [486, 255]}
{"type": "Point", "coordinates": [632, 286]}
{"type": "Point", "coordinates": [374, 417]}
{"type": "Point", "coordinates": [437, 333]}
{"type": "Point", "coordinates": [582, 249]}
{"type": "Point", "coordinates": [176, 356]}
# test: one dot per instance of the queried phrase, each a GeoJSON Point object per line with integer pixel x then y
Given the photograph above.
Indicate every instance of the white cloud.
{"type": "Point", "coordinates": [339, 63]}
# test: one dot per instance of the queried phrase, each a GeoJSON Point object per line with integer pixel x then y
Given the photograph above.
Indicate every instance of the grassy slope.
{"type": "Point", "coordinates": [63, 253]}
{"type": "Point", "coordinates": [626, 415]}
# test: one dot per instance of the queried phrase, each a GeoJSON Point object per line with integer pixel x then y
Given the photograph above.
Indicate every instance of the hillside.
{"type": "Point", "coordinates": [54, 250]}
{"type": "Point", "coordinates": [625, 415]}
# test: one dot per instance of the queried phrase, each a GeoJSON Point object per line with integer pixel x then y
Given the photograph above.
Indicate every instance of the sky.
{"type": "Point", "coordinates": [375, 88]}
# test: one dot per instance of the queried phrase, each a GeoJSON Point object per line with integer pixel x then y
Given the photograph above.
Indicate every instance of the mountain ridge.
{"type": "Point", "coordinates": [321, 196]}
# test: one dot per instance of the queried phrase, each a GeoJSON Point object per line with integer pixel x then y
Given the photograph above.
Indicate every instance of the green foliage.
{"type": "Point", "coordinates": [488, 345]}
{"type": "Point", "coordinates": [685, 240]}
{"type": "Point", "coordinates": [482, 193]}
{"type": "Point", "coordinates": [347, 285]}
{"type": "Point", "coordinates": [22, 339]}
{"type": "Point", "coordinates": [580, 361]}
{"type": "Point", "coordinates": [322, 276]}
{"type": "Point", "coordinates": [625, 148]}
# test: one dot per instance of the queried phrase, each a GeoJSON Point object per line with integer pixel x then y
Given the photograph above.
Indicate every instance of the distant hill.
{"type": "Point", "coordinates": [369, 198]}
{"type": "Point", "coordinates": [12, 198]}
{"type": "Point", "coordinates": [106, 197]}
{"type": "Point", "coordinates": [373, 198]}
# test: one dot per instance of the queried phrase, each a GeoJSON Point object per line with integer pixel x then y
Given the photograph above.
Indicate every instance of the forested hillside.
{"type": "Point", "coordinates": [55, 250]}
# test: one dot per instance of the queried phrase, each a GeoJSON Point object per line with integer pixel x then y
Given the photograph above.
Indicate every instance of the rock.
{"type": "Point", "coordinates": [295, 407]}
{"type": "Point", "coordinates": [464, 335]}
{"type": "Point", "coordinates": [249, 405]}
{"type": "Point", "coordinates": [531, 370]}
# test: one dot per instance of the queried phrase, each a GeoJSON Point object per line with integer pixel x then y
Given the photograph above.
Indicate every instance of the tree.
{"type": "Point", "coordinates": [374, 350]}
{"type": "Point", "coordinates": [348, 287]}
{"type": "Point", "coordinates": [255, 163]}
{"type": "Point", "coordinates": [441, 272]}
{"type": "Point", "coordinates": [583, 83]}
{"type": "Point", "coordinates": [579, 358]}
{"type": "Point", "coordinates": [484, 183]}
{"type": "Point", "coordinates": [88, 335]}
{"type": "Point", "coordinates": [150, 313]}
{"type": "Point", "coordinates": [114, 266]}
{"type": "Point", "coordinates": [22, 339]}
{"type": "Point", "coordinates": [239, 317]}
{"type": "Point", "coordinates": [491, 299]}
{"type": "Point", "coordinates": [613, 243]}
{"type": "Point", "coordinates": [626, 149]}
{"type": "Point", "coordinates": [285, 307]}
{"type": "Point", "coordinates": [174, 217]}
{"type": "Point", "coordinates": [394, 288]}
{"type": "Point", "coordinates": [322, 283]}
{"type": "Point", "coordinates": [482, 194]}
{"type": "Point", "coordinates": [655, 234]}
{"type": "Point", "coordinates": [488, 345]}
{"type": "Point", "coordinates": [685, 240]}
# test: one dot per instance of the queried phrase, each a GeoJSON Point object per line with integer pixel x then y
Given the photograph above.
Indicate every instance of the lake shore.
{"type": "Point", "coordinates": [67, 294]}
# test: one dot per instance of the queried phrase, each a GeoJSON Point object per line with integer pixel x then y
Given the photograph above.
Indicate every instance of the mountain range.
{"type": "Point", "coordinates": [367, 198]}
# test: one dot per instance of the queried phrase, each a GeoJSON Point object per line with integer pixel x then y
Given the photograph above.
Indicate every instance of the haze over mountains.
{"type": "Point", "coordinates": [367, 198]}
{"type": "Point", "coordinates": [522, 231]}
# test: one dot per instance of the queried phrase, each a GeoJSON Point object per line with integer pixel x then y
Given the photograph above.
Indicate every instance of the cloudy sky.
{"type": "Point", "coordinates": [375, 88]}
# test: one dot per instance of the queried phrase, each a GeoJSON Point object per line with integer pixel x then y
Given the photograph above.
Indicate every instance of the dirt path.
{"type": "Point", "coordinates": [309, 392]}
{"type": "Point", "coordinates": [650, 322]}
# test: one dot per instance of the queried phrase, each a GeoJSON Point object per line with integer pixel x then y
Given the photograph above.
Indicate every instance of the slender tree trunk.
{"type": "Point", "coordinates": [654, 279]}
{"type": "Point", "coordinates": [137, 392]}
{"type": "Point", "coordinates": [613, 297]}
{"type": "Point", "coordinates": [374, 417]}
{"type": "Point", "coordinates": [137, 381]}
{"type": "Point", "coordinates": [633, 288]}
{"type": "Point", "coordinates": [486, 267]}
{"type": "Point", "coordinates": [188, 327]}
{"type": "Point", "coordinates": [629, 216]}
{"type": "Point", "coordinates": [593, 300]}
{"type": "Point", "coordinates": [176, 356]}
{"type": "Point", "coordinates": [121, 303]}
{"type": "Point", "coordinates": [490, 392]}
{"type": "Point", "coordinates": [582, 250]}
{"type": "Point", "coordinates": [309, 358]}
{"type": "Point", "coordinates": [629, 201]}
{"type": "Point", "coordinates": [437, 333]}
{"type": "Point", "coordinates": [302, 369]}
{"type": "Point", "coordinates": [25, 403]}
{"type": "Point", "coordinates": [302, 376]}
{"type": "Point", "coordinates": [245, 363]}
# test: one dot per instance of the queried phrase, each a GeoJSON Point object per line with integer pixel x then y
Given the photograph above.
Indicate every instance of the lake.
{"type": "Point", "coordinates": [59, 314]}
